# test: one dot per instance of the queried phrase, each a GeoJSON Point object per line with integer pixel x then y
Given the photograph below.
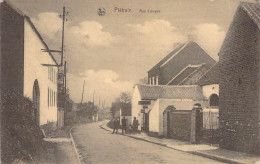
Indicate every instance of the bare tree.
{"type": "Point", "coordinates": [143, 80]}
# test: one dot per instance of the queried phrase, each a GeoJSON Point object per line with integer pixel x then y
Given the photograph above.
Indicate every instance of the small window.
{"type": "Point", "coordinates": [48, 97]}
{"type": "Point", "coordinates": [54, 99]}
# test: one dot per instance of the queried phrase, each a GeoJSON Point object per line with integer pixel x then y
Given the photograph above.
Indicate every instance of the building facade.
{"type": "Point", "coordinates": [186, 59]}
{"type": "Point", "coordinates": [25, 68]}
{"type": "Point", "coordinates": [239, 87]}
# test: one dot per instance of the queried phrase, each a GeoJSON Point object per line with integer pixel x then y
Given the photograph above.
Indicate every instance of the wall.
{"type": "Point", "coordinates": [208, 90]}
{"type": "Point", "coordinates": [239, 86]}
{"type": "Point", "coordinates": [136, 109]}
{"type": "Point", "coordinates": [156, 113]}
{"type": "Point", "coordinates": [180, 125]}
{"type": "Point", "coordinates": [33, 69]}
{"type": "Point", "coordinates": [12, 48]}
{"type": "Point", "coordinates": [154, 118]}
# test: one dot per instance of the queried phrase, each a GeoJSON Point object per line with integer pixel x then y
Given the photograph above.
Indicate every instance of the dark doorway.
{"type": "Point", "coordinates": [36, 102]}
{"type": "Point", "coordinates": [213, 100]}
{"type": "Point", "coordinates": [168, 124]}
{"type": "Point", "coordinates": [146, 122]}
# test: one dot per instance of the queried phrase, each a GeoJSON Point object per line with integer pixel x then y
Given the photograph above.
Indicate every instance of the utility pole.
{"type": "Point", "coordinates": [65, 76]}
{"type": "Point", "coordinates": [63, 29]}
{"type": "Point", "coordinates": [94, 98]}
{"type": "Point", "coordinates": [82, 93]}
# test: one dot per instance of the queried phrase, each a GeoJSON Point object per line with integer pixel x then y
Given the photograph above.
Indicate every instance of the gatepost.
{"type": "Point", "coordinates": [196, 124]}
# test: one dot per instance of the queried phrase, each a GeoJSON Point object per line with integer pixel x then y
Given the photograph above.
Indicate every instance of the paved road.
{"type": "Point", "coordinates": [99, 146]}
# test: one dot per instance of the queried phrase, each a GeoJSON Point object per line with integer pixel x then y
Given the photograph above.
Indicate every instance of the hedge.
{"type": "Point", "coordinates": [21, 137]}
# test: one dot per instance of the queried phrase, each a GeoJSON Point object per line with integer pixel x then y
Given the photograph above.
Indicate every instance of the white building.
{"type": "Point", "coordinates": [210, 87]}
{"type": "Point", "coordinates": [149, 103]}
{"type": "Point", "coordinates": [27, 69]}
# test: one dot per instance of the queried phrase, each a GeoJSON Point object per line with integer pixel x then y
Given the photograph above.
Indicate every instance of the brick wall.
{"type": "Point", "coordinates": [180, 125]}
{"type": "Point", "coordinates": [12, 51]}
{"type": "Point", "coordinates": [239, 86]}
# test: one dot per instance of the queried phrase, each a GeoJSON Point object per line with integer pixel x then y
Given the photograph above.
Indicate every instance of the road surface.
{"type": "Point", "coordinates": [100, 146]}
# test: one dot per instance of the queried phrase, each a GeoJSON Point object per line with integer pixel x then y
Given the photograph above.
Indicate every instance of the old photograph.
{"type": "Point", "coordinates": [130, 81]}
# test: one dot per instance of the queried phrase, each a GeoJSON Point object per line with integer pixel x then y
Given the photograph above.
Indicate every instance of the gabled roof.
{"type": "Point", "coordinates": [210, 77]}
{"type": "Point", "coordinates": [10, 4]}
{"type": "Point", "coordinates": [189, 47]}
{"type": "Point", "coordinates": [169, 56]}
{"type": "Point", "coordinates": [253, 11]}
{"type": "Point", "coordinates": [126, 110]}
{"type": "Point", "coordinates": [187, 71]}
{"type": "Point", "coordinates": [153, 92]}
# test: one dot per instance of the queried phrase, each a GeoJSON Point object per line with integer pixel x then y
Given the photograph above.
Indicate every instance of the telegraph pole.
{"type": "Point", "coordinates": [63, 29]}
{"type": "Point", "coordinates": [94, 98]}
{"type": "Point", "coordinates": [82, 93]}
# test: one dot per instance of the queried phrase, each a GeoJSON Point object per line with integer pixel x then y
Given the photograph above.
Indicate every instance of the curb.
{"type": "Point", "coordinates": [74, 145]}
{"type": "Point", "coordinates": [221, 159]}
{"type": "Point", "coordinates": [217, 158]}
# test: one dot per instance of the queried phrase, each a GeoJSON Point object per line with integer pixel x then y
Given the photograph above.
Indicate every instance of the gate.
{"type": "Point", "coordinates": [210, 130]}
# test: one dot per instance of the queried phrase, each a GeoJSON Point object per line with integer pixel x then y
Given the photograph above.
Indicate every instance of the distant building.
{"type": "Point", "coordinates": [24, 67]}
{"type": "Point", "coordinates": [239, 87]}
{"type": "Point", "coordinates": [182, 66]}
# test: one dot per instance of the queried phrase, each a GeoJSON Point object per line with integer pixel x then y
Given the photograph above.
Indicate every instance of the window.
{"type": "Point", "coordinates": [51, 97]}
{"type": "Point", "coordinates": [51, 74]}
{"type": "Point", "coordinates": [54, 98]}
{"type": "Point", "coordinates": [150, 81]}
{"type": "Point", "coordinates": [48, 97]}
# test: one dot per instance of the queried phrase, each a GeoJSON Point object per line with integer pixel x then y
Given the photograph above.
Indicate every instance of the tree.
{"type": "Point", "coordinates": [125, 97]}
{"type": "Point", "coordinates": [123, 100]}
{"type": "Point", "coordinates": [143, 80]}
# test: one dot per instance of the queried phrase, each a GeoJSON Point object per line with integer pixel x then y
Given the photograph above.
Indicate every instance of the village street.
{"type": "Point", "coordinates": [100, 146]}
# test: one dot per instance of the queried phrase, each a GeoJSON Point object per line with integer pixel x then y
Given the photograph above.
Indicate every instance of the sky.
{"type": "Point", "coordinates": [112, 52]}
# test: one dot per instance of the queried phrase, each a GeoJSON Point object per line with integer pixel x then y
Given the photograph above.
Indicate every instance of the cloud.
{"type": "Point", "coordinates": [90, 33]}
{"type": "Point", "coordinates": [86, 33]}
{"type": "Point", "coordinates": [157, 35]}
{"type": "Point", "coordinates": [210, 36]}
{"type": "Point", "coordinates": [48, 23]}
{"type": "Point", "coordinates": [105, 83]}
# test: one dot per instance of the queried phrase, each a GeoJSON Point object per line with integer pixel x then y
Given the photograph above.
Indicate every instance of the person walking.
{"type": "Point", "coordinates": [116, 124]}
{"type": "Point", "coordinates": [135, 125]}
{"type": "Point", "coordinates": [123, 125]}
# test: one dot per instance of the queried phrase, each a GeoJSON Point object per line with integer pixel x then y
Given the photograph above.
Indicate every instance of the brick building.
{"type": "Point", "coordinates": [183, 66]}
{"type": "Point", "coordinates": [240, 81]}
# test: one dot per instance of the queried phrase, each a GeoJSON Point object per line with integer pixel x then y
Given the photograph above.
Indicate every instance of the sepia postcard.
{"type": "Point", "coordinates": [128, 81]}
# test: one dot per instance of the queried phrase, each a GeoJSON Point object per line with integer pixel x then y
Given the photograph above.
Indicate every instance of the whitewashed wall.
{"type": "Point", "coordinates": [208, 90]}
{"type": "Point", "coordinates": [33, 58]}
{"type": "Point", "coordinates": [136, 109]}
{"type": "Point", "coordinates": [156, 113]}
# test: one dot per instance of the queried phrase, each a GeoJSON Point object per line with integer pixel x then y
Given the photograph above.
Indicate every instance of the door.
{"type": "Point", "coordinates": [36, 102]}
{"type": "Point", "coordinates": [168, 124]}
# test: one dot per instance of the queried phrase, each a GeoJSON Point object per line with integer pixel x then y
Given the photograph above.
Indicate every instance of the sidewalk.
{"type": "Point", "coordinates": [204, 150]}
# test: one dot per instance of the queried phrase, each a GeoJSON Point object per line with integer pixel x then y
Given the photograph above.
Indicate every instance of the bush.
{"type": "Point", "coordinates": [22, 138]}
